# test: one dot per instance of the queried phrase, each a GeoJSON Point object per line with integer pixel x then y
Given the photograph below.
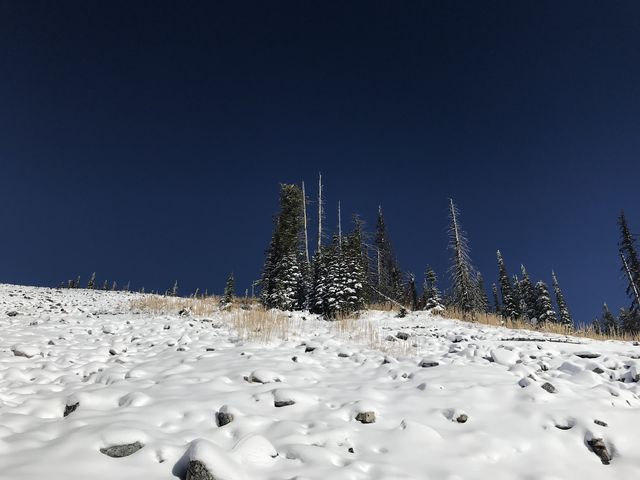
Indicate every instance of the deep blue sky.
{"type": "Point", "coordinates": [146, 140]}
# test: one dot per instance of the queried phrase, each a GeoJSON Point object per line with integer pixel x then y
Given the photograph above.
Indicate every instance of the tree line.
{"type": "Point", "coordinates": [349, 272]}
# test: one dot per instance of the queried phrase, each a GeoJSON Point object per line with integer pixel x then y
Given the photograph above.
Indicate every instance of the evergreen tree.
{"type": "Point", "coordinates": [174, 290]}
{"type": "Point", "coordinates": [431, 297]}
{"type": "Point", "coordinates": [355, 260]}
{"type": "Point", "coordinates": [76, 284]}
{"type": "Point", "coordinates": [630, 264]}
{"type": "Point", "coordinates": [91, 284]}
{"type": "Point", "coordinates": [464, 289]}
{"type": "Point", "coordinates": [229, 291]}
{"type": "Point", "coordinates": [105, 285]}
{"type": "Point", "coordinates": [411, 297]}
{"type": "Point", "coordinates": [127, 286]}
{"type": "Point", "coordinates": [527, 294]}
{"type": "Point", "coordinates": [496, 301]}
{"type": "Point", "coordinates": [564, 317]}
{"type": "Point", "coordinates": [544, 308]}
{"type": "Point", "coordinates": [509, 307]}
{"type": "Point", "coordinates": [283, 282]}
{"type": "Point", "coordinates": [70, 284]}
{"type": "Point", "coordinates": [387, 274]}
{"type": "Point", "coordinates": [114, 287]}
{"type": "Point", "coordinates": [483, 300]}
{"type": "Point", "coordinates": [628, 322]}
{"type": "Point", "coordinates": [608, 324]}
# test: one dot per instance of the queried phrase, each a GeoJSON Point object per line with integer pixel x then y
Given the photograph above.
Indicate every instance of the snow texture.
{"type": "Point", "coordinates": [467, 403]}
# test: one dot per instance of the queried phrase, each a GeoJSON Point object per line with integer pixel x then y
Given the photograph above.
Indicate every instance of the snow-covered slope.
{"type": "Point", "coordinates": [471, 402]}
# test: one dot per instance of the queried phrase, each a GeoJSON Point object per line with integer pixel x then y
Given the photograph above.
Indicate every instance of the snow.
{"type": "Point", "coordinates": [481, 412]}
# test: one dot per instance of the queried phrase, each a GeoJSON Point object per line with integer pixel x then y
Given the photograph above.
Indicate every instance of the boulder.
{"type": "Point", "coordinates": [118, 451]}
{"type": "Point", "coordinates": [366, 417]}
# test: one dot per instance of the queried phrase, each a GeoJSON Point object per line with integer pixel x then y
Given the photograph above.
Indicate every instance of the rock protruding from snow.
{"type": "Point", "coordinates": [549, 387]}
{"type": "Point", "coordinates": [196, 470]}
{"type": "Point", "coordinates": [504, 357]}
{"type": "Point", "coordinates": [366, 417]}
{"type": "Point", "coordinates": [264, 376]}
{"type": "Point", "coordinates": [598, 447]}
{"type": "Point", "coordinates": [118, 451]}
{"type": "Point", "coordinates": [224, 416]}
{"type": "Point", "coordinates": [207, 461]}
{"type": "Point", "coordinates": [70, 408]}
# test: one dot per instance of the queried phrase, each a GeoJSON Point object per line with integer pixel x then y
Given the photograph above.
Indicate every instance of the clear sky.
{"type": "Point", "coordinates": [146, 140]}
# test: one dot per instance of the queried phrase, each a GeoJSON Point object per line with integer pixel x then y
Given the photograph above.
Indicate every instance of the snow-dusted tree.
{"type": "Point", "coordinates": [105, 285]}
{"type": "Point", "coordinates": [607, 323]}
{"type": "Point", "coordinates": [411, 293]}
{"type": "Point", "coordinates": [174, 290]}
{"type": "Point", "coordinates": [355, 261]}
{"type": "Point", "coordinates": [229, 291]}
{"type": "Point", "coordinates": [464, 290]}
{"type": "Point", "coordinates": [496, 301]}
{"type": "Point", "coordinates": [483, 300]}
{"type": "Point", "coordinates": [564, 317]}
{"type": "Point", "coordinates": [76, 284]}
{"type": "Point", "coordinates": [509, 307]}
{"type": "Point", "coordinates": [544, 307]}
{"type": "Point", "coordinates": [528, 296]}
{"type": "Point", "coordinates": [387, 276]}
{"type": "Point", "coordinates": [283, 282]}
{"type": "Point", "coordinates": [628, 322]}
{"type": "Point", "coordinates": [91, 284]}
{"type": "Point", "coordinates": [630, 264]}
{"type": "Point", "coordinates": [127, 286]}
{"type": "Point", "coordinates": [114, 286]}
{"type": "Point", "coordinates": [431, 297]}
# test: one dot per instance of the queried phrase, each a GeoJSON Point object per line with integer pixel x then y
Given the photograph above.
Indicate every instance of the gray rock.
{"type": "Point", "coordinates": [283, 403]}
{"type": "Point", "coordinates": [548, 387]}
{"type": "Point", "coordinates": [598, 370]}
{"type": "Point", "coordinates": [601, 423]}
{"type": "Point", "coordinates": [309, 349]}
{"type": "Point", "coordinates": [118, 451]}
{"type": "Point", "coordinates": [12, 313]}
{"type": "Point", "coordinates": [428, 363]}
{"type": "Point", "coordinates": [68, 409]}
{"type": "Point", "coordinates": [600, 449]}
{"type": "Point", "coordinates": [196, 470]}
{"type": "Point", "coordinates": [587, 355]}
{"type": "Point", "coordinates": [391, 338]}
{"type": "Point", "coordinates": [462, 418]}
{"type": "Point", "coordinates": [224, 418]}
{"type": "Point", "coordinates": [564, 427]}
{"type": "Point", "coordinates": [343, 355]}
{"type": "Point", "coordinates": [402, 335]}
{"type": "Point", "coordinates": [366, 417]}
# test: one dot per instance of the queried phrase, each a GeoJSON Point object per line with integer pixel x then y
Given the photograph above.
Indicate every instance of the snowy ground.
{"type": "Point", "coordinates": [161, 381]}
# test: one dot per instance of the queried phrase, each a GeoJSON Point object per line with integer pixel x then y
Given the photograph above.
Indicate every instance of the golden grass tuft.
{"type": "Point", "coordinates": [583, 331]}
{"type": "Point", "coordinates": [264, 326]}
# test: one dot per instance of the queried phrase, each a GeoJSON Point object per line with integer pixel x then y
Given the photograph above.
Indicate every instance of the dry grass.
{"type": "Point", "coordinates": [160, 305]}
{"type": "Point", "coordinates": [264, 326]}
{"type": "Point", "coordinates": [584, 331]}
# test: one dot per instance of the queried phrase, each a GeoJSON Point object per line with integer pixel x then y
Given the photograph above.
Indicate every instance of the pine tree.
{"type": "Point", "coordinates": [91, 284]}
{"type": "Point", "coordinates": [283, 282]}
{"type": "Point", "coordinates": [464, 290]}
{"type": "Point", "coordinates": [628, 322]}
{"type": "Point", "coordinates": [509, 307]}
{"type": "Point", "coordinates": [630, 264]}
{"type": "Point", "coordinates": [544, 308]}
{"type": "Point", "coordinates": [114, 287]}
{"type": "Point", "coordinates": [411, 297]}
{"type": "Point", "coordinates": [355, 261]}
{"type": "Point", "coordinates": [229, 291]}
{"type": "Point", "coordinates": [483, 300]}
{"type": "Point", "coordinates": [431, 297]}
{"type": "Point", "coordinates": [174, 290]}
{"type": "Point", "coordinates": [386, 275]}
{"type": "Point", "coordinates": [564, 317]}
{"type": "Point", "coordinates": [127, 286]}
{"type": "Point", "coordinates": [76, 284]}
{"type": "Point", "coordinates": [527, 294]}
{"type": "Point", "coordinates": [496, 301]}
{"type": "Point", "coordinates": [105, 285]}
{"type": "Point", "coordinates": [607, 323]}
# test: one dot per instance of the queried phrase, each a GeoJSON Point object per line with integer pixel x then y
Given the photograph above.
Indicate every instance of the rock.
{"type": "Point", "coordinates": [600, 449]}
{"type": "Point", "coordinates": [196, 470]}
{"type": "Point", "coordinates": [167, 327]}
{"type": "Point", "coordinates": [366, 417]}
{"type": "Point", "coordinates": [309, 349]}
{"type": "Point", "coordinates": [428, 363]}
{"type": "Point", "coordinates": [601, 423]}
{"type": "Point", "coordinates": [462, 418]}
{"type": "Point", "coordinates": [69, 409]}
{"type": "Point", "coordinates": [548, 387]}
{"type": "Point", "coordinates": [343, 355]}
{"type": "Point", "coordinates": [505, 357]}
{"type": "Point", "coordinates": [50, 342]}
{"type": "Point", "coordinates": [118, 451]}
{"type": "Point", "coordinates": [598, 370]}
{"type": "Point", "coordinates": [564, 427]}
{"type": "Point", "coordinates": [587, 354]}
{"type": "Point", "coordinates": [112, 351]}
{"type": "Point", "coordinates": [184, 312]}
{"type": "Point", "coordinates": [224, 418]}
{"type": "Point", "coordinates": [402, 335]}
{"type": "Point", "coordinates": [210, 349]}
{"type": "Point", "coordinates": [12, 313]}
{"type": "Point", "coordinates": [351, 450]}
{"type": "Point", "coordinates": [391, 338]}
{"type": "Point", "coordinates": [283, 403]}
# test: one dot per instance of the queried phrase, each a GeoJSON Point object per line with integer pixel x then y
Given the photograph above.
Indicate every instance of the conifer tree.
{"type": "Point", "coordinates": [387, 274]}
{"type": "Point", "coordinates": [76, 284]}
{"type": "Point", "coordinates": [483, 305]}
{"type": "Point", "coordinates": [630, 264]}
{"type": "Point", "coordinates": [105, 285]}
{"type": "Point", "coordinates": [527, 294]}
{"type": "Point", "coordinates": [283, 276]}
{"type": "Point", "coordinates": [174, 290]}
{"type": "Point", "coordinates": [229, 291]}
{"type": "Point", "coordinates": [114, 287]}
{"type": "Point", "coordinates": [496, 301]}
{"type": "Point", "coordinates": [544, 307]}
{"type": "Point", "coordinates": [412, 292]}
{"type": "Point", "coordinates": [464, 289]}
{"type": "Point", "coordinates": [564, 317]}
{"type": "Point", "coordinates": [509, 307]}
{"type": "Point", "coordinates": [91, 284]}
{"type": "Point", "coordinates": [431, 297]}
{"type": "Point", "coordinates": [127, 286]}
{"type": "Point", "coordinates": [608, 324]}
